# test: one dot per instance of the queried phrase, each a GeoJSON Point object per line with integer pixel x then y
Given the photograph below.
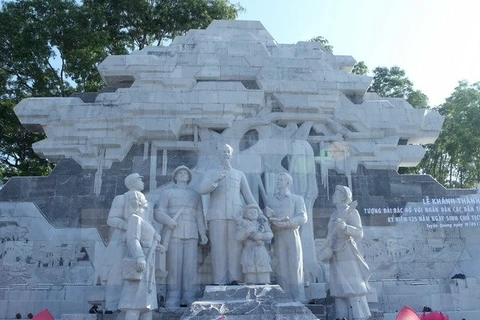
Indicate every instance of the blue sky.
{"type": "Point", "coordinates": [437, 42]}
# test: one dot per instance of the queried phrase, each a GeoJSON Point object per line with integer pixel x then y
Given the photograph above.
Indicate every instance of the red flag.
{"type": "Point", "coordinates": [434, 316]}
{"type": "Point", "coordinates": [407, 314]}
{"type": "Point", "coordinates": [44, 315]}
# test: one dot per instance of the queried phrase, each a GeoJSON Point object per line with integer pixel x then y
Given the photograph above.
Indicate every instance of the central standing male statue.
{"type": "Point", "coordinates": [229, 191]}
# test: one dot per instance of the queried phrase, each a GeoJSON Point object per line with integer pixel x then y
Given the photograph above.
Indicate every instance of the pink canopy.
{"type": "Point", "coordinates": [44, 315]}
{"type": "Point", "coordinates": [407, 314]}
{"type": "Point", "coordinates": [434, 316]}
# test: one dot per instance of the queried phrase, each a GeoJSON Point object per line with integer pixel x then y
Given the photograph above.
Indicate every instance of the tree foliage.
{"type": "Point", "coordinates": [134, 24]}
{"type": "Point", "coordinates": [392, 82]}
{"type": "Point", "coordinates": [16, 155]}
{"type": "Point", "coordinates": [51, 48]}
{"type": "Point", "coordinates": [454, 159]}
{"type": "Point", "coordinates": [360, 68]}
{"type": "Point", "coordinates": [328, 47]}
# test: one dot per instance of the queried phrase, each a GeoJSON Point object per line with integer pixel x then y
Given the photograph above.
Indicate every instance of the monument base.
{"type": "Point", "coordinates": [247, 302]}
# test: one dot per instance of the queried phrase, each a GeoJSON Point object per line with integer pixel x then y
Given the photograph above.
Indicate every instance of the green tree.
{"type": "Point", "coordinates": [360, 68]}
{"type": "Point", "coordinates": [134, 24]}
{"type": "Point", "coordinates": [324, 42]}
{"type": "Point", "coordinates": [16, 155]}
{"type": "Point", "coordinates": [454, 159]}
{"type": "Point", "coordinates": [51, 51]}
{"type": "Point", "coordinates": [392, 82]}
{"type": "Point", "coordinates": [51, 48]}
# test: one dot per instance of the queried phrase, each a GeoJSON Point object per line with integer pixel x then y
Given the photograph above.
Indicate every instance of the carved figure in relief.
{"type": "Point", "coordinates": [180, 210]}
{"type": "Point", "coordinates": [228, 190]}
{"type": "Point", "coordinates": [287, 212]}
{"type": "Point", "coordinates": [117, 219]}
{"type": "Point", "coordinates": [302, 168]}
{"type": "Point", "coordinates": [349, 273]}
{"type": "Point", "coordinates": [254, 231]}
{"type": "Point", "coordinates": [139, 294]}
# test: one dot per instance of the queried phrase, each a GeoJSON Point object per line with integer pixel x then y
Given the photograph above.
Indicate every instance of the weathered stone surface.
{"type": "Point", "coordinates": [274, 103]}
{"type": "Point", "coordinates": [79, 316]}
{"type": "Point", "coordinates": [247, 302]}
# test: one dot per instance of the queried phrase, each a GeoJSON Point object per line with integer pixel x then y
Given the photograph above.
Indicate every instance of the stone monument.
{"type": "Point", "coordinates": [292, 108]}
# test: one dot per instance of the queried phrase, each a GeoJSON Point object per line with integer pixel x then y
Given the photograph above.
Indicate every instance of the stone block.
{"type": "Point", "coordinates": [372, 296]}
{"type": "Point", "coordinates": [51, 295]}
{"type": "Point", "coordinates": [208, 96]}
{"type": "Point", "coordinates": [316, 290]}
{"type": "Point", "coordinates": [247, 302]}
{"type": "Point", "coordinates": [397, 302]}
{"type": "Point", "coordinates": [79, 316]}
{"type": "Point", "coordinates": [208, 72]}
{"type": "Point", "coordinates": [442, 301]}
{"type": "Point", "coordinates": [73, 293]}
{"type": "Point", "coordinates": [75, 307]}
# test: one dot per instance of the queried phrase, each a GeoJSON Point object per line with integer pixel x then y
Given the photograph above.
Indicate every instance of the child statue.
{"type": "Point", "coordinates": [254, 231]}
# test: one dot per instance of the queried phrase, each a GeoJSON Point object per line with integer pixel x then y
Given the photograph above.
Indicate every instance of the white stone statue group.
{"type": "Point", "coordinates": [239, 234]}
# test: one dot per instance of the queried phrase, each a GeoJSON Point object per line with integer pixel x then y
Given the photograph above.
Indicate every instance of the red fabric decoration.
{"type": "Point", "coordinates": [407, 314]}
{"type": "Point", "coordinates": [44, 315]}
{"type": "Point", "coordinates": [434, 316]}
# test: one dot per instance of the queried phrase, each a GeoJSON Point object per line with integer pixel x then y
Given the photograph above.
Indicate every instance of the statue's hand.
{"type": "Point", "coordinates": [141, 264]}
{"type": "Point", "coordinates": [124, 226]}
{"type": "Point", "coordinates": [257, 236]}
{"type": "Point", "coordinates": [203, 239]}
{"type": "Point", "coordinates": [161, 248]}
{"type": "Point", "coordinates": [158, 237]}
{"type": "Point", "coordinates": [341, 224]}
{"type": "Point", "coordinates": [251, 228]}
{"type": "Point", "coordinates": [269, 213]}
{"type": "Point", "coordinates": [241, 222]}
{"type": "Point", "coordinates": [281, 224]}
{"type": "Point", "coordinates": [220, 177]}
{"type": "Point", "coordinates": [172, 224]}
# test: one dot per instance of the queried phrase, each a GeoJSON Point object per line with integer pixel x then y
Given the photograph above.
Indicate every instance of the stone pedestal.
{"type": "Point", "coordinates": [247, 302]}
{"type": "Point", "coordinates": [79, 316]}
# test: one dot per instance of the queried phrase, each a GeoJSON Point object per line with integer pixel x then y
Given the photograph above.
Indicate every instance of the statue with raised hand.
{"type": "Point", "coordinates": [229, 192]}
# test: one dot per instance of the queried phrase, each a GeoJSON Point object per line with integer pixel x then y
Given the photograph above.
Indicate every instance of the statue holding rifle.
{"type": "Point", "coordinates": [180, 210]}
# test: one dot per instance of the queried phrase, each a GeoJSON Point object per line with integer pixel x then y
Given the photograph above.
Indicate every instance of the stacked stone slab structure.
{"type": "Point", "coordinates": [292, 107]}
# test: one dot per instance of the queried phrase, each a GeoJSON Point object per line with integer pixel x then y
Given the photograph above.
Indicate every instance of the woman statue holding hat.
{"type": "Point", "coordinates": [139, 294]}
{"type": "Point", "coordinates": [117, 220]}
